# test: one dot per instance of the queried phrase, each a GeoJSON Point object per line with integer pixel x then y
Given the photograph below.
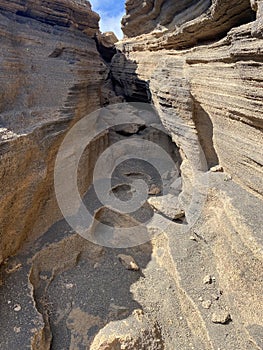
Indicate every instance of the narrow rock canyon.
{"type": "Point", "coordinates": [188, 78]}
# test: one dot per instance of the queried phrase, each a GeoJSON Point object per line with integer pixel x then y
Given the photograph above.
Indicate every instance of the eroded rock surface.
{"type": "Point", "coordinates": [200, 64]}
{"type": "Point", "coordinates": [174, 24]}
{"type": "Point", "coordinates": [210, 94]}
{"type": "Point", "coordinates": [51, 75]}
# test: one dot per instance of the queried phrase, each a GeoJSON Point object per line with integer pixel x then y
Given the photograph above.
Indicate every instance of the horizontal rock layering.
{"type": "Point", "coordinates": [180, 24]}
{"type": "Point", "coordinates": [201, 63]}
{"type": "Point", "coordinates": [66, 13]}
{"type": "Point", "coordinates": [51, 75]}
{"type": "Point", "coordinates": [210, 93]}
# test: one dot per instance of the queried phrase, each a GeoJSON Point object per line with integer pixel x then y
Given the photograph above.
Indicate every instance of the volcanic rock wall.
{"type": "Point", "coordinates": [202, 63]}
{"type": "Point", "coordinates": [205, 89]}
{"type": "Point", "coordinates": [51, 75]}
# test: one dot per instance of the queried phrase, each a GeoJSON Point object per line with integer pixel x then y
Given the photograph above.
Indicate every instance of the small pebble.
{"type": "Point", "coordinates": [69, 285]}
{"type": "Point", "coordinates": [207, 279]}
{"type": "Point", "coordinates": [192, 238]}
{"type": "Point", "coordinates": [206, 304]}
{"type": "Point", "coordinates": [17, 329]}
{"type": "Point", "coordinates": [215, 296]}
{"type": "Point", "coordinates": [17, 308]}
{"type": "Point", "coordinates": [154, 190]}
{"type": "Point", "coordinates": [43, 277]}
{"type": "Point", "coordinates": [128, 262]}
{"type": "Point", "coordinates": [138, 313]}
{"type": "Point", "coordinates": [228, 178]}
{"type": "Point", "coordinates": [216, 168]}
{"type": "Point", "coordinates": [221, 316]}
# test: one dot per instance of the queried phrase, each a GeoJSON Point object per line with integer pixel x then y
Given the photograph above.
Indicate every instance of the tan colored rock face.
{"type": "Point", "coordinates": [65, 13]}
{"type": "Point", "coordinates": [145, 16]}
{"type": "Point", "coordinates": [210, 94]}
{"type": "Point", "coordinates": [47, 83]}
{"type": "Point", "coordinates": [179, 24]}
{"type": "Point", "coordinates": [108, 39]}
{"type": "Point", "coordinates": [198, 290]}
{"type": "Point", "coordinates": [205, 79]}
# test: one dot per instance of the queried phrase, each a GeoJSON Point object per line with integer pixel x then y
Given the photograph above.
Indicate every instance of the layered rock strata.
{"type": "Point", "coordinates": [202, 64]}
{"type": "Point", "coordinates": [171, 24]}
{"type": "Point", "coordinates": [51, 75]}
{"type": "Point", "coordinates": [209, 94]}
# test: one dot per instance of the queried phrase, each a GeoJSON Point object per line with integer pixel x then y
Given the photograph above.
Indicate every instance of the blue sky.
{"type": "Point", "coordinates": [111, 12]}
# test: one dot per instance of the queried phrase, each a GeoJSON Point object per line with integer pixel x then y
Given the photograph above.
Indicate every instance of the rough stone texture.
{"type": "Point", "coordinates": [204, 76]}
{"type": "Point", "coordinates": [108, 39]}
{"type": "Point", "coordinates": [257, 29]}
{"type": "Point", "coordinates": [179, 24]}
{"type": "Point", "coordinates": [172, 290]}
{"type": "Point", "coordinates": [76, 14]}
{"type": "Point", "coordinates": [106, 45]}
{"type": "Point", "coordinates": [205, 79]}
{"type": "Point", "coordinates": [168, 205]}
{"type": "Point", "coordinates": [210, 94]}
{"type": "Point", "coordinates": [51, 75]}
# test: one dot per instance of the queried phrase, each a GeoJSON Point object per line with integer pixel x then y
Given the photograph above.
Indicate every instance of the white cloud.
{"type": "Point", "coordinates": [110, 15]}
{"type": "Point", "coordinates": [111, 23]}
{"type": "Point", "coordinates": [95, 4]}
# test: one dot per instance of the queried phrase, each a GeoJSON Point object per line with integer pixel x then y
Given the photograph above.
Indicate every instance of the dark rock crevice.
{"type": "Point", "coordinates": [126, 82]}
{"type": "Point", "coordinates": [204, 127]}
